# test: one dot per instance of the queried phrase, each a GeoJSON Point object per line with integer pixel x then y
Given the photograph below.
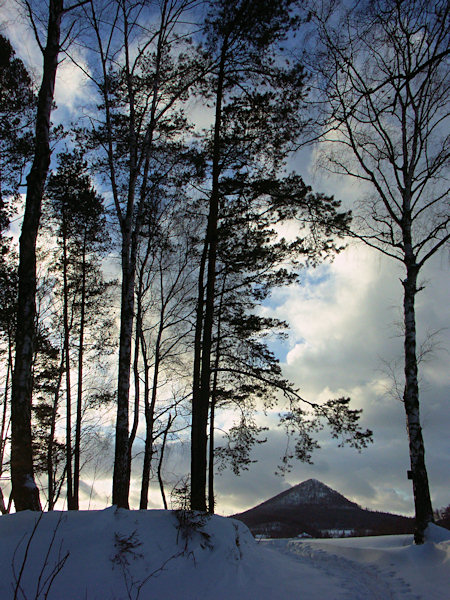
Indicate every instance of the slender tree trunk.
{"type": "Point", "coordinates": [4, 425]}
{"type": "Point", "coordinates": [3, 508]}
{"type": "Point", "coordinates": [51, 438]}
{"type": "Point", "coordinates": [200, 404]}
{"type": "Point", "coordinates": [161, 459]}
{"type": "Point", "coordinates": [422, 499]}
{"type": "Point", "coordinates": [69, 477]}
{"type": "Point", "coordinates": [211, 500]}
{"type": "Point", "coordinates": [212, 412]}
{"type": "Point", "coordinates": [150, 418]}
{"type": "Point", "coordinates": [143, 504]}
{"type": "Point", "coordinates": [77, 447]}
{"type": "Point", "coordinates": [418, 474]}
{"type": "Point", "coordinates": [24, 489]}
{"type": "Point", "coordinates": [212, 416]}
{"type": "Point", "coordinates": [197, 359]}
{"type": "Point", "coordinates": [136, 374]}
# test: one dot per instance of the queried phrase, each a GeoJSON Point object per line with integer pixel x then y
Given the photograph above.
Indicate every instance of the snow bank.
{"type": "Point", "coordinates": [118, 554]}
{"type": "Point", "coordinates": [143, 555]}
{"type": "Point", "coordinates": [436, 534]}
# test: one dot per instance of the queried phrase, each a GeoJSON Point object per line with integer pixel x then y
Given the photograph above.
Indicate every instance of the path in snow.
{"type": "Point", "coordinates": [357, 581]}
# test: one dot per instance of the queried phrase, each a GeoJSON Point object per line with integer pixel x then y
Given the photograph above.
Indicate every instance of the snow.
{"type": "Point", "coordinates": [116, 554]}
{"type": "Point", "coordinates": [311, 491]}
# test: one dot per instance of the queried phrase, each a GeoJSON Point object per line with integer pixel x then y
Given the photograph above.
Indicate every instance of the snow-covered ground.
{"type": "Point", "coordinates": [147, 555]}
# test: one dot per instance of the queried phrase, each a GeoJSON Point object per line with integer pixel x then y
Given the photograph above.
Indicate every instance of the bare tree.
{"type": "Point", "coordinates": [140, 84]}
{"type": "Point", "coordinates": [165, 301]}
{"type": "Point", "coordinates": [383, 85]}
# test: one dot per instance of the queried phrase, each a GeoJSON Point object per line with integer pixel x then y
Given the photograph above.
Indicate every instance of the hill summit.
{"type": "Point", "coordinates": [314, 509]}
{"type": "Point", "coordinates": [310, 491]}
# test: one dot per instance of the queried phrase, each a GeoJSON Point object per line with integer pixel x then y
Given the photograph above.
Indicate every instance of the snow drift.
{"type": "Point", "coordinates": [116, 554]}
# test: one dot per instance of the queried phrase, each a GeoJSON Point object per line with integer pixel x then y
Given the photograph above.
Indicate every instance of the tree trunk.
{"type": "Point", "coordinates": [4, 426]}
{"type": "Point", "coordinates": [422, 499]}
{"type": "Point", "coordinates": [200, 405]}
{"type": "Point", "coordinates": [121, 477]}
{"type": "Point", "coordinates": [150, 418]}
{"type": "Point", "coordinates": [143, 504]}
{"type": "Point", "coordinates": [51, 438]}
{"type": "Point", "coordinates": [69, 477]}
{"type": "Point", "coordinates": [161, 459]}
{"type": "Point", "coordinates": [77, 447]}
{"type": "Point", "coordinates": [24, 489]}
{"type": "Point", "coordinates": [211, 500]}
{"type": "Point", "coordinates": [212, 412]}
{"type": "Point", "coordinates": [197, 361]}
{"type": "Point", "coordinates": [137, 391]}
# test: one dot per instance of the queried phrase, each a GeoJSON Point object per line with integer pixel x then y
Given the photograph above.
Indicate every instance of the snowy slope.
{"type": "Point", "coordinates": [310, 491]}
{"type": "Point", "coordinates": [117, 554]}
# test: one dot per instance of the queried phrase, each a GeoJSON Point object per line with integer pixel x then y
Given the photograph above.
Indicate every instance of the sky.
{"type": "Point", "coordinates": [343, 340]}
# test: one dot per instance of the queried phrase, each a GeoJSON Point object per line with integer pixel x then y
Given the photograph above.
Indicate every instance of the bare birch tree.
{"type": "Point", "coordinates": [383, 84]}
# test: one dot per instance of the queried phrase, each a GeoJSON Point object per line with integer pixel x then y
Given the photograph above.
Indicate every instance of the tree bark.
{"type": "Point", "coordinates": [200, 400]}
{"type": "Point", "coordinates": [121, 477]}
{"type": "Point", "coordinates": [137, 391]}
{"type": "Point", "coordinates": [24, 489]}
{"type": "Point", "coordinates": [211, 499]}
{"type": "Point", "coordinates": [52, 492]}
{"type": "Point", "coordinates": [77, 446]}
{"type": "Point", "coordinates": [69, 477]}
{"type": "Point", "coordinates": [150, 417]}
{"type": "Point", "coordinates": [143, 504]}
{"type": "Point", "coordinates": [4, 425]}
{"type": "Point", "coordinates": [161, 459]}
{"type": "Point", "coordinates": [212, 412]}
{"type": "Point", "coordinates": [197, 358]}
{"type": "Point", "coordinates": [422, 499]}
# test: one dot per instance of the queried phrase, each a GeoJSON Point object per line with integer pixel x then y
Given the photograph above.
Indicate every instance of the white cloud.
{"type": "Point", "coordinates": [342, 326]}
{"type": "Point", "coordinates": [71, 89]}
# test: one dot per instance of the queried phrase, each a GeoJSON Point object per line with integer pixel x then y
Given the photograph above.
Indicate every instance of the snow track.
{"type": "Point", "coordinates": [356, 581]}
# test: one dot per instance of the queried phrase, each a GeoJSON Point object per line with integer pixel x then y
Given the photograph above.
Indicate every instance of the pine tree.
{"type": "Point", "coordinates": [17, 106]}
{"type": "Point", "coordinates": [256, 100]}
{"type": "Point", "coordinates": [77, 216]}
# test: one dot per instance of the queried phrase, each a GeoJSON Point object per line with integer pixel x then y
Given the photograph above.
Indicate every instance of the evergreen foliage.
{"type": "Point", "coordinates": [17, 106]}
